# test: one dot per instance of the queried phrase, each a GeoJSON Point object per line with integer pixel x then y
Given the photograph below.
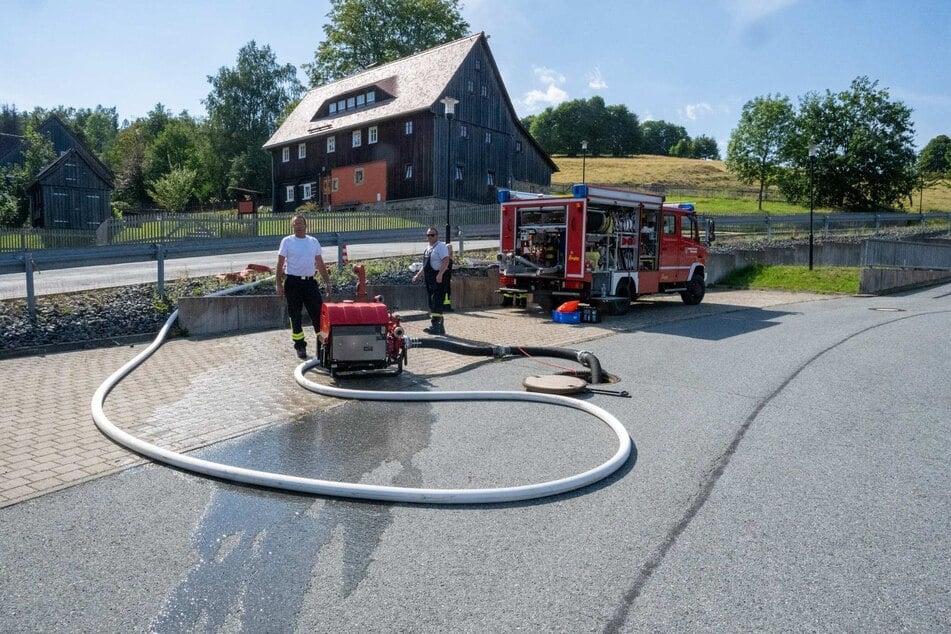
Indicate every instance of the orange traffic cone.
{"type": "Point", "coordinates": [343, 255]}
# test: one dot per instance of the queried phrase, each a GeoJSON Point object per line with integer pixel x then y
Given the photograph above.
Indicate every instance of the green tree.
{"type": "Point", "coordinates": [363, 33]}
{"type": "Point", "coordinates": [174, 190]}
{"type": "Point", "coordinates": [757, 149]}
{"type": "Point", "coordinates": [37, 153]}
{"type": "Point", "coordinates": [97, 129]}
{"type": "Point", "coordinates": [865, 158]}
{"type": "Point", "coordinates": [935, 158]}
{"type": "Point", "coordinates": [658, 137]}
{"type": "Point", "coordinates": [705, 147]}
{"type": "Point", "coordinates": [243, 106]}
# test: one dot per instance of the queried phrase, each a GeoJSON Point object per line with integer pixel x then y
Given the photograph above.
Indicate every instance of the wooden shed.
{"type": "Point", "coordinates": [73, 192]}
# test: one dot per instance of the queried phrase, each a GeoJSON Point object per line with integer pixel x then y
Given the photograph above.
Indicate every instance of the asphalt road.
{"type": "Point", "coordinates": [791, 474]}
{"type": "Point", "coordinates": [13, 285]}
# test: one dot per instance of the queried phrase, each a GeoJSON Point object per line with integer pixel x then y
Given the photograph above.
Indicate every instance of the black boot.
{"type": "Point", "coordinates": [301, 348]}
{"type": "Point", "coordinates": [436, 328]}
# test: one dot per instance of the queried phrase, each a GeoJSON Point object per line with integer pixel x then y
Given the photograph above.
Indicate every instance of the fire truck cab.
{"type": "Point", "coordinates": [600, 245]}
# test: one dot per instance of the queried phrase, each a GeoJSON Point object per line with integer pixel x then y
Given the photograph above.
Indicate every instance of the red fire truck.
{"type": "Point", "coordinates": [601, 245]}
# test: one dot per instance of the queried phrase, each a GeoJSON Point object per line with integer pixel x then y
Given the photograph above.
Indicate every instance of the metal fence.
{"type": "Point", "coordinates": [164, 228]}
{"type": "Point", "coordinates": [923, 256]}
{"type": "Point", "coordinates": [168, 228]}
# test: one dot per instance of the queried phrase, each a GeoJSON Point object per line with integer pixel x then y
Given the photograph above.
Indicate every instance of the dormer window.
{"type": "Point", "coordinates": [345, 103]}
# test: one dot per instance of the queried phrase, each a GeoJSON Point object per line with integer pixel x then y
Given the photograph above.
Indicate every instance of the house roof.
{"type": "Point", "coordinates": [416, 83]}
{"type": "Point", "coordinates": [87, 157]}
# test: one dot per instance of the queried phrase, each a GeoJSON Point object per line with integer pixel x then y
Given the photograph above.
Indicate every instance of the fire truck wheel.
{"type": "Point", "coordinates": [620, 306]}
{"type": "Point", "coordinates": [545, 301]}
{"type": "Point", "coordinates": [696, 289]}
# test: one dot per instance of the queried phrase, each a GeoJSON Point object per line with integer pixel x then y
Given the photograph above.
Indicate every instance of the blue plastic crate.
{"type": "Point", "coordinates": [566, 318]}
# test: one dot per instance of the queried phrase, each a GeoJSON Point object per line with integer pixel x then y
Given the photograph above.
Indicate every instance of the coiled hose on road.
{"type": "Point", "coordinates": [369, 491]}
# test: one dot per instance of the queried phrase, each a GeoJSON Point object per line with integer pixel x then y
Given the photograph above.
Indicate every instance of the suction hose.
{"type": "Point", "coordinates": [583, 357]}
{"type": "Point", "coordinates": [364, 491]}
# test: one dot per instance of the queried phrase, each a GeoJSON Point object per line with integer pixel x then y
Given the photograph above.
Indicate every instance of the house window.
{"type": "Point", "coordinates": [463, 131]}
{"type": "Point", "coordinates": [358, 176]}
{"type": "Point", "coordinates": [333, 108]}
{"type": "Point", "coordinates": [361, 100]}
{"type": "Point", "coordinates": [408, 127]}
{"type": "Point", "coordinates": [488, 137]}
{"type": "Point", "coordinates": [301, 150]}
{"type": "Point", "coordinates": [351, 102]}
{"type": "Point", "coordinates": [357, 138]}
{"type": "Point", "coordinates": [470, 86]}
{"type": "Point", "coordinates": [331, 144]}
{"type": "Point", "coordinates": [371, 135]}
{"type": "Point", "coordinates": [308, 192]}
{"type": "Point", "coordinates": [485, 90]}
{"type": "Point", "coordinates": [289, 194]}
{"type": "Point", "coordinates": [458, 172]}
{"type": "Point", "coordinates": [341, 105]}
{"type": "Point", "coordinates": [478, 64]}
{"type": "Point", "coordinates": [408, 171]}
{"type": "Point", "coordinates": [490, 179]}
{"type": "Point", "coordinates": [371, 97]}
{"type": "Point", "coordinates": [518, 146]}
{"type": "Point", "coordinates": [70, 171]}
{"type": "Point", "coordinates": [334, 184]}
{"type": "Point", "coordinates": [285, 155]}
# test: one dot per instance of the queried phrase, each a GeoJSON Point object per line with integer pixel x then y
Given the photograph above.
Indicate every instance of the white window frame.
{"type": "Point", "coordinates": [308, 191]}
{"type": "Point", "coordinates": [408, 128]}
{"type": "Point", "coordinates": [285, 155]}
{"type": "Point", "coordinates": [357, 138]}
{"type": "Point", "coordinates": [301, 150]}
{"type": "Point", "coordinates": [361, 100]}
{"type": "Point", "coordinates": [371, 97]}
{"type": "Point", "coordinates": [488, 137]}
{"type": "Point", "coordinates": [333, 107]}
{"type": "Point", "coordinates": [463, 131]}
{"type": "Point", "coordinates": [351, 103]}
{"type": "Point", "coordinates": [408, 171]}
{"type": "Point", "coordinates": [289, 194]}
{"type": "Point", "coordinates": [490, 179]}
{"type": "Point", "coordinates": [459, 173]}
{"type": "Point", "coordinates": [331, 144]}
{"type": "Point", "coordinates": [485, 91]}
{"type": "Point", "coordinates": [358, 176]}
{"type": "Point", "coordinates": [372, 134]}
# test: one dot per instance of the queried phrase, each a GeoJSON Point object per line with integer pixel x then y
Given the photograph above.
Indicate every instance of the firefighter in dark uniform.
{"type": "Point", "coordinates": [435, 263]}
{"type": "Point", "coordinates": [298, 259]}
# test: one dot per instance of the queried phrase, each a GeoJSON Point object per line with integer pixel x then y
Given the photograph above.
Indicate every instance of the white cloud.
{"type": "Point", "coordinates": [694, 111]}
{"type": "Point", "coordinates": [595, 81]}
{"type": "Point", "coordinates": [550, 95]}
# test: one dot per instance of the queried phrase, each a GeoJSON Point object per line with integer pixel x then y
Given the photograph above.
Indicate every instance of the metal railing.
{"type": "Point", "coordinates": [796, 226]}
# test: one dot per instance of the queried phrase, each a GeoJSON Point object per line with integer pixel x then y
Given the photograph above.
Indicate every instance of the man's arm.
{"type": "Point", "coordinates": [322, 268]}
{"type": "Point", "coordinates": [279, 276]}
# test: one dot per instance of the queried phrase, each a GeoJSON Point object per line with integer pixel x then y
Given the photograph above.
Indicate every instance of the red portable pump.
{"type": "Point", "coordinates": [361, 335]}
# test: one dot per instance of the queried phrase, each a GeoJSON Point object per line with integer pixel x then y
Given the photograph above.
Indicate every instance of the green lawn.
{"type": "Point", "coordinates": [827, 279]}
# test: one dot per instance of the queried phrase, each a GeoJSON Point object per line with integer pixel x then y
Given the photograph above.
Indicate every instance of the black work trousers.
{"type": "Point", "coordinates": [302, 293]}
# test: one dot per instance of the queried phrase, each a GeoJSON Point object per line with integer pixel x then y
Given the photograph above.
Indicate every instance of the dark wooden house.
{"type": "Point", "coordinates": [381, 135]}
{"type": "Point", "coordinates": [72, 192]}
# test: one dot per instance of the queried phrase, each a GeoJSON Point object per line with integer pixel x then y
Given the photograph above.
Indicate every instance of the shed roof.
{"type": "Point", "coordinates": [416, 83]}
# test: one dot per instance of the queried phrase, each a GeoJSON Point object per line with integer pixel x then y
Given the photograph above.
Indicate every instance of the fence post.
{"type": "Point", "coordinates": [876, 224]}
{"type": "Point", "coordinates": [160, 258]}
{"type": "Point", "coordinates": [769, 229]}
{"type": "Point", "coordinates": [28, 266]}
{"type": "Point", "coordinates": [826, 226]}
{"type": "Point", "coordinates": [461, 246]}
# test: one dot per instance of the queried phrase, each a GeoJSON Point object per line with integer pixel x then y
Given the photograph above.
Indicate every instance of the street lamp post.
{"type": "Point", "coordinates": [812, 164]}
{"type": "Point", "coordinates": [584, 159]}
{"type": "Point", "coordinates": [450, 104]}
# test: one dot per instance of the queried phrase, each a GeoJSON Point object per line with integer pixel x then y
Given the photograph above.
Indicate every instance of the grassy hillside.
{"type": "Point", "coordinates": [679, 173]}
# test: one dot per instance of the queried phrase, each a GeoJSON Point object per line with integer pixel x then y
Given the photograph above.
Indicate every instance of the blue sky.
{"type": "Point", "coordinates": [690, 62]}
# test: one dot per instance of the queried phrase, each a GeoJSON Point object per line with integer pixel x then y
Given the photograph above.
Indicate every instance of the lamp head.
{"type": "Point", "coordinates": [450, 104]}
{"type": "Point", "coordinates": [812, 150]}
{"type": "Point", "coordinates": [584, 146]}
